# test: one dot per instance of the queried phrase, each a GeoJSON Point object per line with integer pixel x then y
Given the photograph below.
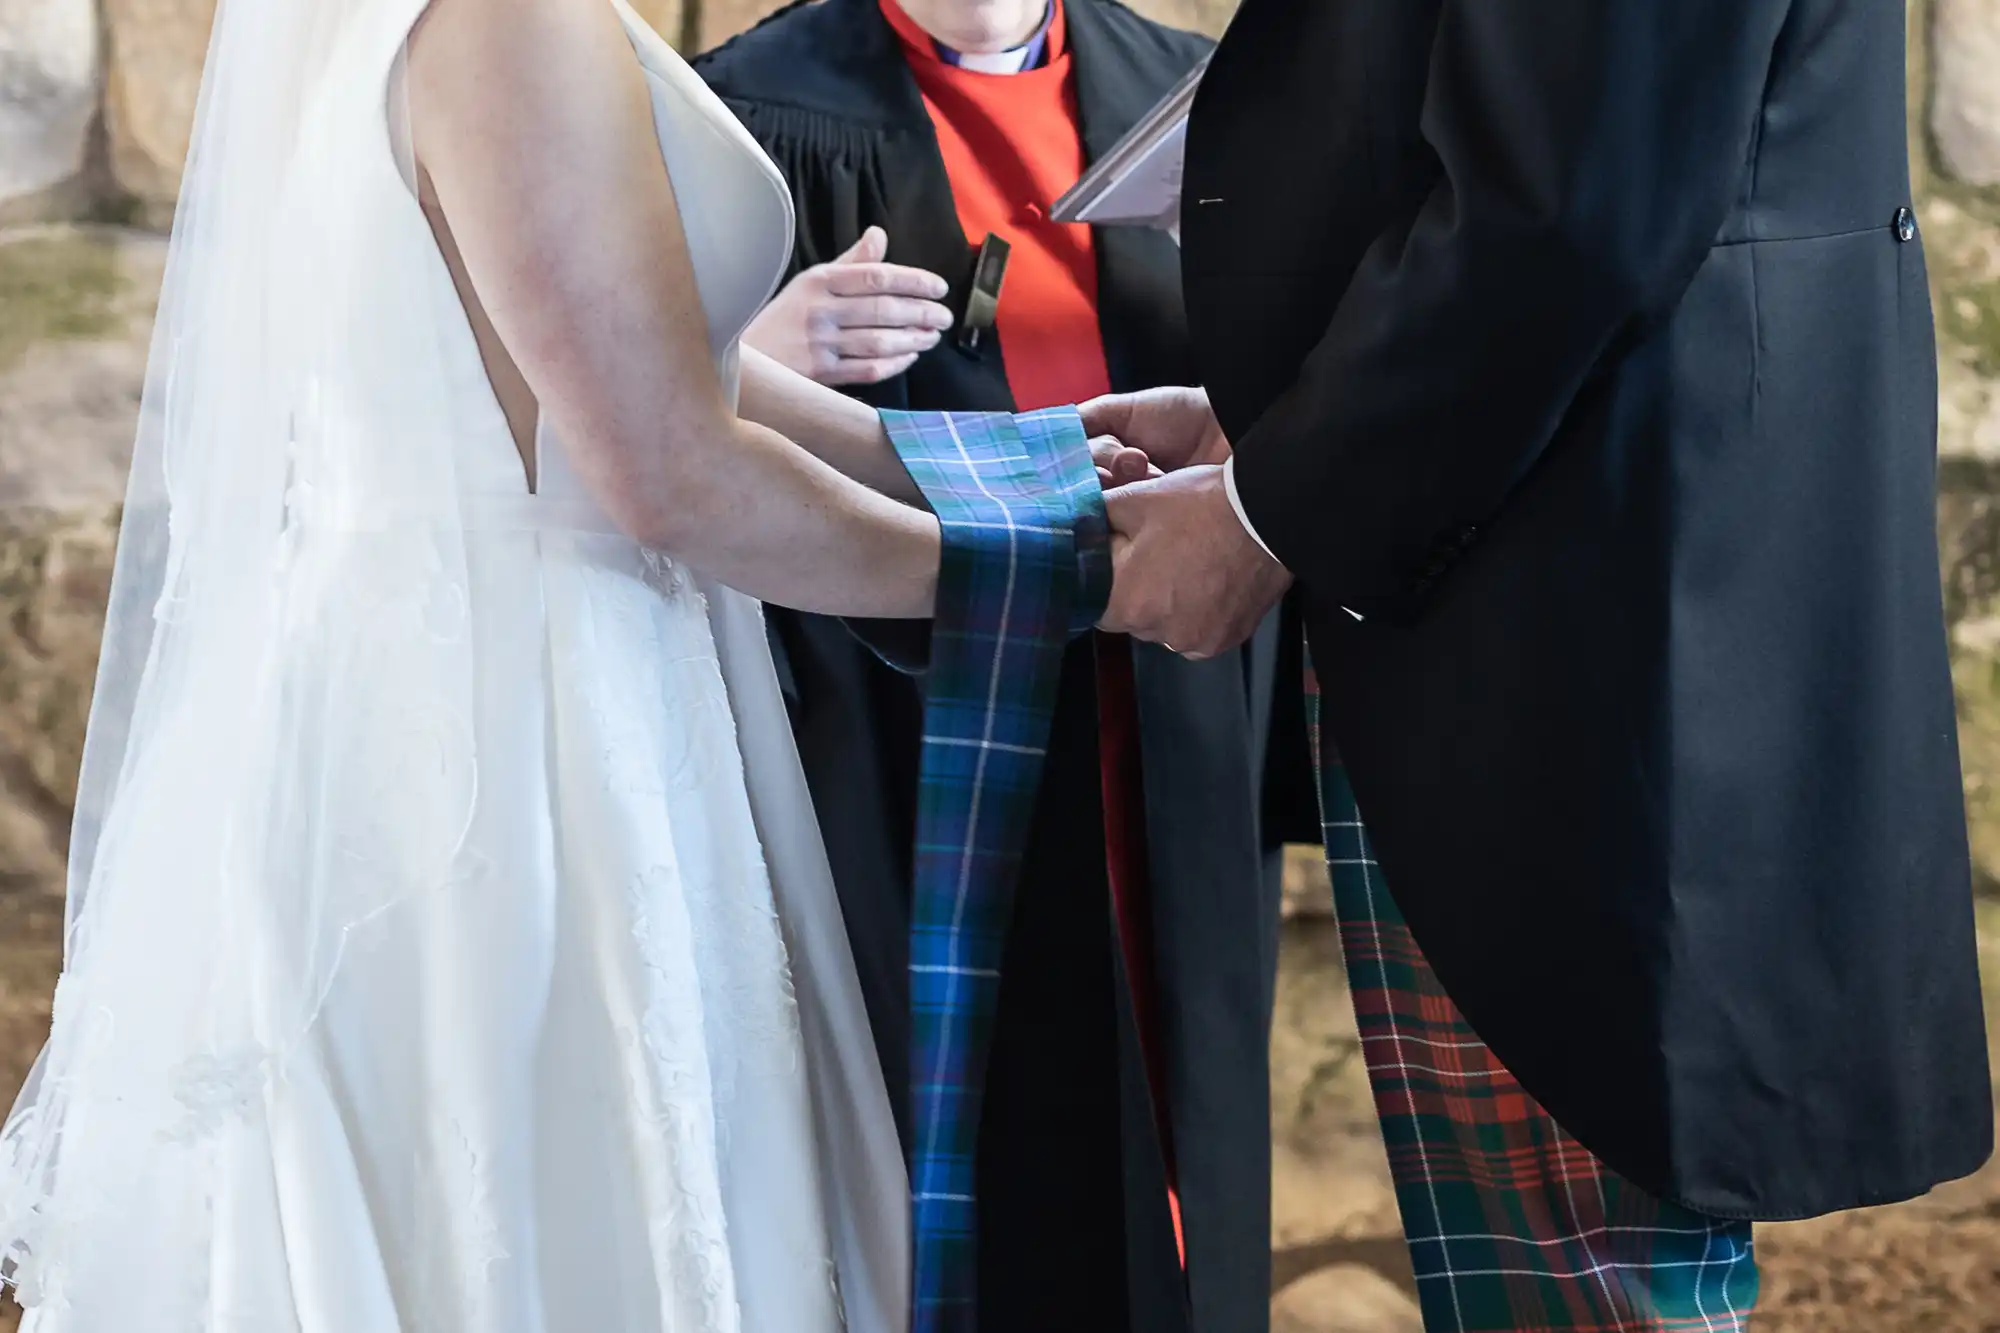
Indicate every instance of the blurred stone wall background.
{"type": "Point", "coordinates": [97, 96]}
{"type": "Point", "coordinates": [96, 101]}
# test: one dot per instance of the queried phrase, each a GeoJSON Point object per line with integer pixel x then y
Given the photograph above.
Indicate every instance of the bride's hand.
{"type": "Point", "coordinates": [1119, 464]}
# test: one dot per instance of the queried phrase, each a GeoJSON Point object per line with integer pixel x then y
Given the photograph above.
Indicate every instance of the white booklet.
{"type": "Point", "coordinates": [1138, 183]}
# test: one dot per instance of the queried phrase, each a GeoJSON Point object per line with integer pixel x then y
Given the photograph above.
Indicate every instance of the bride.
{"type": "Point", "coordinates": [451, 947]}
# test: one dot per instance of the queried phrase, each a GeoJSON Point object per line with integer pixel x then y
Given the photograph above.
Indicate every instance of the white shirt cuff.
{"type": "Point", "coordinates": [1236, 505]}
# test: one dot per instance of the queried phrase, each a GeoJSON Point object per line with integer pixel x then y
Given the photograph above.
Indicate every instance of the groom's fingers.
{"type": "Point", "coordinates": [1108, 415]}
{"type": "Point", "coordinates": [1118, 463]}
{"type": "Point", "coordinates": [1127, 509]}
{"type": "Point", "coordinates": [1117, 618]}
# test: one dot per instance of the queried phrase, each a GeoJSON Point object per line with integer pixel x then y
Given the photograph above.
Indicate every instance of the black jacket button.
{"type": "Point", "coordinates": [1906, 225]}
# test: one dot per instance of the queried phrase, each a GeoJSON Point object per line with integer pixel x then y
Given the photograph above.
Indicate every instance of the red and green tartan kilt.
{"type": "Point", "coordinates": [1512, 1226]}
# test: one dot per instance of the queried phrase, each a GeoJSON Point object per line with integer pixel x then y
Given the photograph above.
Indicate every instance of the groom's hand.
{"type": "Point", "coordinates": [1119, 465]}
{"type": "Point", "coordinates": [1175, 427]}
{"type": "Point", "coordinates": [1186, 573]}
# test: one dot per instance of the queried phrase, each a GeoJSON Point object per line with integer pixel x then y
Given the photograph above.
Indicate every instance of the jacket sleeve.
{"type": "Point", "coordinates": [1588, 153]}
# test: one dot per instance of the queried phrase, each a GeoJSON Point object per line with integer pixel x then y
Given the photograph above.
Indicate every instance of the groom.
{"type": "Point", "coordinates": [1575, 360]}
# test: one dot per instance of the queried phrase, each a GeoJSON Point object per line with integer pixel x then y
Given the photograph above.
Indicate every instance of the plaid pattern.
{"type": "Point", "coordinates": [1025, 567]}
{"type": "Point", "coordinates": [1512, 1225]}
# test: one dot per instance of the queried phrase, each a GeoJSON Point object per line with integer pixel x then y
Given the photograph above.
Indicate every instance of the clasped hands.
{"type": "Point", "coordinates": [1187, 574]}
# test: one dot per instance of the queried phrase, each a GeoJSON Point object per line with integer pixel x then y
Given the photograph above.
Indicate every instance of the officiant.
{"type": "Point", "coordinates": [1125, 1142]}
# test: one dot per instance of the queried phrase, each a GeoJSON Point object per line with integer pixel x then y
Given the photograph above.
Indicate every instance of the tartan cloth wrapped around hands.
{"type": "Point", "coordinates": [1026, 567]}
{"type": "Point", "coordinates": [1513, 1226]}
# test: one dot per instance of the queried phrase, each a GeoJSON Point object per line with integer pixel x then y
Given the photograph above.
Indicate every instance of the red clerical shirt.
{"type": "Point", "coordinates": [1012, 143]}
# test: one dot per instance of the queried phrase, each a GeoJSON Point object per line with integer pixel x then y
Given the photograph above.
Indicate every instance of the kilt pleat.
{"type": "Point", "coordinates": [1512, 1226]}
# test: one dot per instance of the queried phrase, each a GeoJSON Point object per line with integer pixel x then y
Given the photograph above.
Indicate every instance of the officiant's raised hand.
{"type": "Point", "coordinates": [1186, 573]}
{"type": "Point", "coordinates": [854, 319]}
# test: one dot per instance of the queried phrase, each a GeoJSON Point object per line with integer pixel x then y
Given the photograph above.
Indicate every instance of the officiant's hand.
{"type": "Point", "coordinates": [1176, 427]}
{"type": "Point", "coordinates": [1186, 574]}
{"type": "Point", "coordinates": [854, 319]}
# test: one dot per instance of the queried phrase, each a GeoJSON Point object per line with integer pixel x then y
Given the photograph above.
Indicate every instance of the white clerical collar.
{"type": "Point", "coordinates": [1031, 54]}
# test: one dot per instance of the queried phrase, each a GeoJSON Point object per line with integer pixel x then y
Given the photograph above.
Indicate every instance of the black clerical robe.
{"type": "Point", "coordinates": [1075, 1231]}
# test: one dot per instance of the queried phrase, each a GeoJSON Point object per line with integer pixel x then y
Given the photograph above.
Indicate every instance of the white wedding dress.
{"type": "Point", "coordinates": [591, 1057]}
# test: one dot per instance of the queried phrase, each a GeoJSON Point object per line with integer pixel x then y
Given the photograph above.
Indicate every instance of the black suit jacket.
{"type": "Point", "coordinates": [1074, 1229]}
{"type": "Point", "coordinates": [1585, 350]}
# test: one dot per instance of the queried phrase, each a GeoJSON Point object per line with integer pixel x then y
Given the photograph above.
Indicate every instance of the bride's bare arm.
{"type": "Point", "coordinates": [534, 125]}
{"type": "Point", "coordinates": [848, 435]}
{"type": "Point", "coordinates": [841, 432]}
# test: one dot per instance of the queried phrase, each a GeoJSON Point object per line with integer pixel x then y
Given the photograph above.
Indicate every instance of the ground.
{"type": "Point", "coordinates": [74, 313]}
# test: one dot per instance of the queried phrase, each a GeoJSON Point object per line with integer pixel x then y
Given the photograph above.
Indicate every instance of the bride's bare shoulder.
{"type": "Point", "coordinates": [540, 78]}
{"type": "Point", "coordinates": [527, 47]}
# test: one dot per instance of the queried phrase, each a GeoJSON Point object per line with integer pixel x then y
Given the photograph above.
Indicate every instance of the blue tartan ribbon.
{"type": "Point", "coordinates": [1026, 567]}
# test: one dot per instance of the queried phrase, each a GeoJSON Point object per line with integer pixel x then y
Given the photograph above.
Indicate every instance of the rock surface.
{"type": "Point", "coordinates": [1962, 243]}
{"type": "Point", "coordinates": [1965, 98]}
{"type": "Point", "coordinates": [1209, 16]}
{"type": "Point", "coordinates": [48, 92]}
{"type": "Point", "coordinates": [55, 570]}
{"type": "Point", "coordinates": [1332, 1174]}
{"type": "Point", "coordinates": [68, 400]}
{"type": "Point", "coordinates": [151, 82]}
{"type": "Point", "coordinates": [78, 309]}
{"type": "Point", "coordinates": [1346, 1298]}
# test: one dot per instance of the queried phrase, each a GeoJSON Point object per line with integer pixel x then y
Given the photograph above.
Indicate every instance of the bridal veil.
{"type": "Point", "coordinates": [229, 836]}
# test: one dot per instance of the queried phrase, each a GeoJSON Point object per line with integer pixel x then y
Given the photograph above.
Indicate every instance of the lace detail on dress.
{"type": "Point", "coordinates": [464, 1243]}
{"type": "Point", "coordinates": [690, 1232]}
{"type": "Point", "coordinates": [670, 579]}
{"type": "Point", "coordinates": [665, 734]}
{"type": "Point", "coordinates": [385, 720]}
{"type": "Point", "coordinates": [213, 1090]}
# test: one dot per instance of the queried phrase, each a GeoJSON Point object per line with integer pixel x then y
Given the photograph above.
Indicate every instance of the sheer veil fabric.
{"type": "Point", "coordinates": [450, 943]}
